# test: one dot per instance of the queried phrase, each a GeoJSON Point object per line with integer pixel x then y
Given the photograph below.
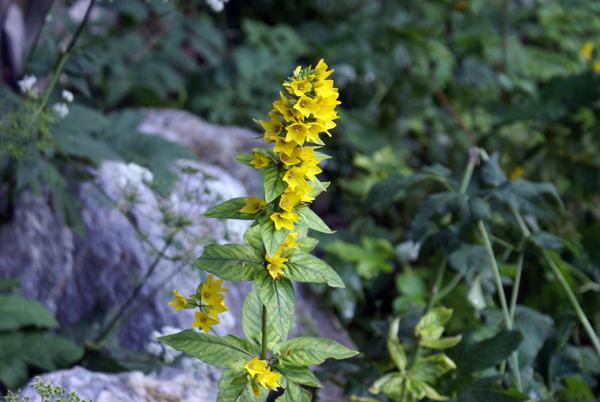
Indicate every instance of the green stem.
{"type": "Point", "coordinates": [503, 243]}
{"type": "Point", "coordinates": [571, 296]}
{"type": "Point", "coordinates": [452, 284]}
{"type": "Point", "coordinates": [473, 158]}
{"type": "Point", "coordinates": [516, 285]}
{"type": "Point", "coordinates": [501, 295]}
{"type": "Point", "coordinates": [263, 353]}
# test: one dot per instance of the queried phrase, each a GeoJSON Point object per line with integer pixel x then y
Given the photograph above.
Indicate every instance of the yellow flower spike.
{"type": "Point", "coordinates": [259, 161]}
{"type": "Point", "coordinates": [292, 159]}
{"type": "Point", "coordinates": [297, 132]}
{"type": "Point", "coordinates": [282, 145]}
{"type": "Point", "coordinates": [211, 296]}
{"type": "Point", "coordinates": [256, 366]}
{"type": "Point", "coordinates": [253, 205]}
{"type": "Point", "coordinates": [299, 88]}
{"type": "Point", "coordinates": [284, 220]}
{"type": "Point", "coordinates": [303, 192]}
{"type": "Point", "coordinates": [273, 127]}
{"type": "Point", "coordinates": [204, 321]}
{"type": "Point", "coordinates": [289, 114]}
{"type": "Point", "coordinates": [586, 50]}
{"type": "Point", "coordinates": [179, 302]}
{"type": "Point", "coordinates": [307, 106]}
{"type": "Point", "coordinates": [215, 285]}
{"type": "Point", "coordinates": [295, 177]}
{"type": "Point", "coordinates": [289, 201]}
{"type": "Point", "coordinates": [216, 309]}
{"type": "Point", "coordinates": [269, 379]}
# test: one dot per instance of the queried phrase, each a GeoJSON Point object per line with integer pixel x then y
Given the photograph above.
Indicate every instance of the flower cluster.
{"type": "Point", "coordinates": [208, 300]}
{"type": "Point", "coordinates": [299, 117]}
{"type": "Point", "coordinates": [260, 372]}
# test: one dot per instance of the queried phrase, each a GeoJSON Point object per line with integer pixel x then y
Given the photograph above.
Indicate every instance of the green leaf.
{"type": "Point", "coordinates": [273, 181]}
{"type": "Point", "coordinates": [441, 343]}
{"type": "Point", "coordinates": [488, 389]}
{"type": "Point", "coordinates": [546, 240]}
{"type": "Point", "coordinates": [13, 372]}
{"type": "Point", "coordinates": [245, 159]}
{"type": "Point", "coordinates": [318, 187]}
{"type": "Point", "coordinates": [17, 312]}
{"type": "Point", "coordinates": [229, 392]}
{"type": "Point", "coordinates": [231, 210]}
{"type": "Point", "coordinates": [85, 146]}
{"type": "Point", "coordinates": [431, 325]}
{"type": "Point", "coordinates": [252, 321]}
{"type": "Point", "coordinates": [389, 384]}
{"type": "Point", "coordinates": [491, 172]}
{"type": "Point", "coordinates": [272, 238]}
{"type": "Point", "coordinates": [11, 283]}
{"type": "Point", "coordinates": [307, 244]}
{"type": "Point", "coordinates": [432, 367]}
{"type": "Point", "coordinates": [420, 389]}
{"type": "Point", "coordinates": [305, 267]}
{"type": "Point", "coordinates": [253, 237]}
{"type": "Point", "coordinates": [232, 262]}
{"type": "Point", "coordinates": [278, 296]}
{"type": "Point", "coordinates": [479, 209]}
{"type": "Point", "coordinates": [222, 352]}
{"type": "Point", "coordinates": [295, 393]}
{"type": "Point", "coordinates": [301, 375]}
{"type": "Point", "coordinates": [266, 152]}
{"type": "Point", "coordinates": [50, 353]}
{"type": "Point", "coordinates": [311, 220]}
{"type": "Point", "coordinates": [307, 351]}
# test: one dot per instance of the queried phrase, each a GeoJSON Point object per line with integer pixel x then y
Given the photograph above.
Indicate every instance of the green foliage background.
{"type": "Point", "coordinates": [420, 83]}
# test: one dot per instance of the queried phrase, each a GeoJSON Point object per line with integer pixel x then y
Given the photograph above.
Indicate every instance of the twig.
{"type": "Point", "coordinates": [444, 100]}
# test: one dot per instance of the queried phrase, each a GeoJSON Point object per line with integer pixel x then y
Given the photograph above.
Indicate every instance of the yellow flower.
{"type": "Point", "coordinates": [299, 88]}
{"type": "Point", "coordinates": [313, 131]}
{"type": "Point", "coordinates": [321, 70]}
{"type": "Point", "coordinates": [274, 271]}
{"type": "Point", "coordinates": [210, 295]}
{"type": "Point", "coordinates": [596, 66]}
{"type": "Point", "coordinates": [256, 366]}
{"type": "Point", "coordinates": [215, 285]}
{"type": "Point", "coordinates": [289, 201]}
{"type": "Point", "coordinates": [292, 159]}
{"type": "Point", "coordinates": [253, 205]}
{"type": "Point", "coordinates": [303, 192]}
{"type": "Point", "coordinates": [311, 168]}
{"type": "Point", "coordinates": [180, 301]}
{"type": "Point", "coordinates": [297, 132]}
{"type": "Point", "coordinates": [295, 177]}
{"type": "Point", "coordinates": [273, 127]}
{"type": "Point", "coordinates": [285, 220]}
{"type": "Point", "coordinates": [269, 379]}
{"type": "Point", "coordinates": [216, 309]}
{"type": "Point", "coordinates": [290, 241]}
{"type": "Point", "coordinates": [276, 264]}
{"type": "Point", "coordinates": [204, 321]}
{"type": "Point", "coordinates": [306, 106]}
{"type": "Point", "coordinates": [259, 161]}
{"type": "Point", "coordinates": [255, 389]}
{"type": "Point", "coordinates": [282, 145]}
{"type": "Point", "coordinates": [586, 50]}
{"type": "Point", "coordinates": [515, 174]}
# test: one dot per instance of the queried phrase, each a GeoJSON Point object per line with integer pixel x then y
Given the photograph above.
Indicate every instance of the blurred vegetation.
{"type": "Point", "coordinates": [421, 82]}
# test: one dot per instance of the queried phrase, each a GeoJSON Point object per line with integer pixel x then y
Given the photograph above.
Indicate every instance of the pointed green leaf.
{"type": "Point", "coordinates": [308, 351]}
{"type": "Point", "coordinates": [421, 389]}
{"type": "Point", "coordinates": [301, 375]}
{"type": "Point", "coordinates": [252, 321]}
{"type": "Point", "coordinates": [318, 187]}
{"type": "Point", "coordinates": [266, 152]}
{"type": "Point", "coordinates": [232, 262]}
{"type": "Point", "coordinates": [245, 159]}
{"type": "Point", "coordinates": [253, 237]}
{"type": "Point", "coordinates": [305, 267]}
{"type": "Point", "coordinates": [320, 155]}
{"type": "Point", "coordinates": [273, 181]}
{"type": "Point", "coordinates": [441, 343]}
{"type": "Point", "coordinates": [231, 210]}
{"type": "Point", "coordinates": [311, 220]}
{"type": "Point", "coordinates": [307, 244]}
{"type": "Point", "coordinates": [278, 296]}
{"type": "Point", "coordinates": [17, 312]}
{"type": "Point", "coordinates": [272, 238]}
{"type": "Point", "coordinates": [295, 393]}
{"type": "Point", "coordinates": [432, 367]}
{"type": "Point", "coordinates": [221, 352]}
{"type": "Point", "coordinates": [470, 358]}
{"type": "Point", "coordinates": [236, 393]}
{"type": "Point", "coordinates": [431, 325]}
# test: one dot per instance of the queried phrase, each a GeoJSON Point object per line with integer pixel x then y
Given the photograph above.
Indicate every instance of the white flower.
{"type": "Point", "coordinates": [61, 109]}
{"type": "Point", "coordinates": [68, 96]}
{"type": "Point", "coordinates": [408, 251]}
{"type": "Point", "coordinates": [217, 5]}
{"type": "Point", "coordinates": [26, 85]}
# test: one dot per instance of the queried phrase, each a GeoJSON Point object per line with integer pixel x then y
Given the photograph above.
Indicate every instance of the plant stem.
{"type": "Point", "coordinates": [473, 159]}
{"type": "Point", "coordinates": [516, 285]}
{"type": "Point", "coordinates": [452, 284]}
{"type": "Point", "coordinates": [263, 353]}
{"type": "Point", "coordinates": [571, 296]}
{"type": "Point", "coordinates": [501, 295]}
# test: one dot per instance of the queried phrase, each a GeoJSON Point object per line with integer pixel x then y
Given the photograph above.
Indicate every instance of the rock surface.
{"type": "Point", "coordinates": [71, 275]}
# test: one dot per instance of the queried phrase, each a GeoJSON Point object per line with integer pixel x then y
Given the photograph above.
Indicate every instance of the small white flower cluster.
{"type": "Point", "coordinates": [60, 108]}
{"type": "Point", "coordinates": [408, 251]}
{"type": "Point", "coordinates": [133, 176]}
{"type": "Point", "coordinates": [217, 5]}
{"type": "Point", "coordinates": [159, 349]}
{"type": "Point", "coordinates": [26, 85]}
